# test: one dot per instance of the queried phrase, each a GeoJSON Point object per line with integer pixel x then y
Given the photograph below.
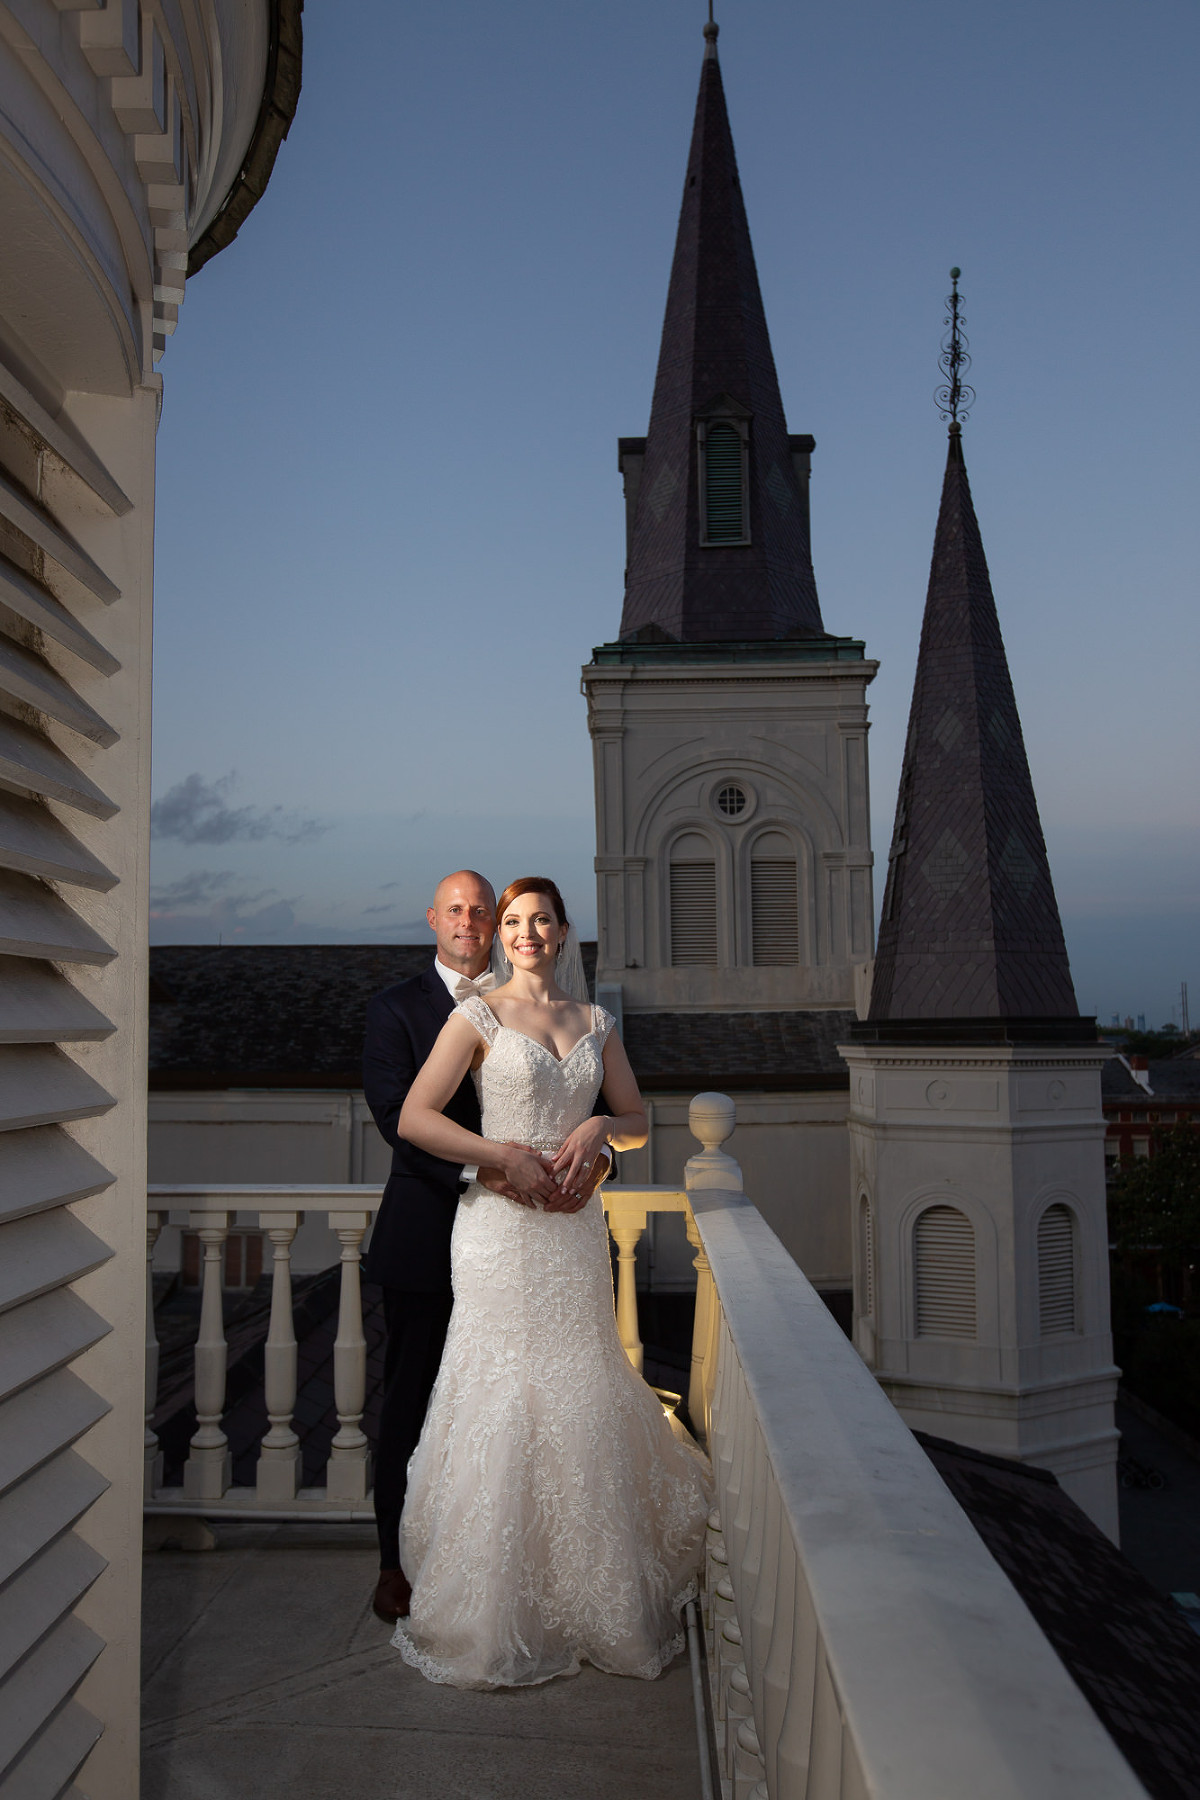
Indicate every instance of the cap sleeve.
{"type": "Point", "coordinates": [602, 1022]}
{"type": "Point", "coordinates": [478, 1013]}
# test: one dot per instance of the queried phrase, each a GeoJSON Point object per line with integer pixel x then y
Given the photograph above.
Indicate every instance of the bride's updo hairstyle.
{"type": "Point", "coordinates": [532, 884]}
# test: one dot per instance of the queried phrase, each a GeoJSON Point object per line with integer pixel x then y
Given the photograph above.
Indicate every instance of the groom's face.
{"type": "Point", "coordinates": [463, 919]}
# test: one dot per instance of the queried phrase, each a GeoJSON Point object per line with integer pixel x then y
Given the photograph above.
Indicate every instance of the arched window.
{"type": "Point", "coordinates": [944, 1273]}
{"type": "Point", "coordinates": [693, 897]}
{"type": "Point", "coordinates": [866, 1254]}
{"type": "Point", "coordinates": [723, 501]}
{"type": "Point", "coordinates": [1056, 1272]}
{"type": "Point", "coordinates": [774, 912]}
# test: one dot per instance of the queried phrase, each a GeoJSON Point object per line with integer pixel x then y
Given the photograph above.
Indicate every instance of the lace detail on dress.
{"type": "Point", "coordinates": [478, 1013]}
{"type": "Point", "coordinates": [552, 1515]}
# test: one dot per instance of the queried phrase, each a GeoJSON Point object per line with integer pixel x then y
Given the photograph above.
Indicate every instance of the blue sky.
{"type": "Point", "coordinates": [390, 524]}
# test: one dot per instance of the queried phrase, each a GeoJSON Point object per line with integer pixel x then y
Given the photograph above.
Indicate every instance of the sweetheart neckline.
{"type": "Point", "coordinates": [559, 1060]}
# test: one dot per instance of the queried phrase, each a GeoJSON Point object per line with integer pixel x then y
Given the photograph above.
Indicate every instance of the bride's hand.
{"type": "Point", "coordinates": [582, 1160]}
{"type": "Point", "coordinates": [527, 1173]}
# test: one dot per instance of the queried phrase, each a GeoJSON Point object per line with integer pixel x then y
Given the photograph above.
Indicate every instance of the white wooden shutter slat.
{"type": "Point", "coordinates": [38, 606]}
{"type": "Point", "coordinates": [45, 1251]}
{"type": "Point", "coordinates": [38, 1006]}
{"type": "Point", "coordinates": [59, 437]}
{"type": "Point", "coordinates": [1056, 1272]}
{"type": "Point", "coordinates": [45, 1334]}
{"type": "Point", "coordinates": [37, 1510]}
{"type": "Point", "coordinates": [41, 1086]}
{"type": "Point", "coordinates": [693, 914]}
{"type": "Point", "coordinates": [31, 762]}
{"type": "Point", "coordinates": [43, 1168]}
{"type": "Point", "coordinates": [36, 1687]}
{"type": "Point", "coordinates": [944, 1268]}
{"type": "Point", "coordinates": [35, 922]}
{"type": "Point", "coordinates": [42, 1420]}
{"type": "Point", "coordinates": [34, 522]}
{"type": "Point", "coordinates": [30, 679]}
{"type": "Point", "coordinates": [54, 1755]}
{"type": "Point", "coordinates": [46, 1588]}
{"type": "Point", "coordinates": [33, 842]}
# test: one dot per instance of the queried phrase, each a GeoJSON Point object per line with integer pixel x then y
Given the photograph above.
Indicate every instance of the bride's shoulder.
{"type": "Point", "coordinates": [602, 1021]}
{"type": "Point", "coordinates": [476, 1012]}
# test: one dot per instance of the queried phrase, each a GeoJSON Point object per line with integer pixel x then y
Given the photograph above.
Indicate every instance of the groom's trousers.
{"type": "Point", "coordinates": [416, 1336]}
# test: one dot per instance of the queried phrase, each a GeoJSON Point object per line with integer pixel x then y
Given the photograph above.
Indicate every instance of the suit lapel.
{"type": "Point", "coordinates": [437, 994]}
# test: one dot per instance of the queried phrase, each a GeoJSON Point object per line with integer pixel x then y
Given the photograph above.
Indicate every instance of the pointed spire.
{"type": "Point", "coordinates": [715, 366]}
{"type": "Point", "coordinates": [970, 927]}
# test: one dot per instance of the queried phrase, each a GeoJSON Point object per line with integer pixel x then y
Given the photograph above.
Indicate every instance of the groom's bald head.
{"type": "Point", "coordinates": [463, 919]}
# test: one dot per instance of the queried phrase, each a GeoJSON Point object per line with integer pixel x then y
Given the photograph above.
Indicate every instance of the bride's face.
{"type": "Point", "coordinates": [530, 932]}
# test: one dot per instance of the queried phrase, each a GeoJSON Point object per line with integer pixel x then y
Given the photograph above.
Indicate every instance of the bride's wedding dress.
{"type": "Point", "coordinates": [552, 1515]}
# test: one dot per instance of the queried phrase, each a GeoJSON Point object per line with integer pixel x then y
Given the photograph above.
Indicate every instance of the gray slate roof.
{"type": "Point", "coordinates": [715, 346]}
{"type": "Point", "coordinates": [270, 1015]}
{"type": "Point", "coordinates": [970, 926]}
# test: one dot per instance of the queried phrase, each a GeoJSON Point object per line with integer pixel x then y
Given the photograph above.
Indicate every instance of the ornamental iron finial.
{"type": "Point", "coordinates": [954, 399]}
{"type": "Point", "coordinates": [710, 32]}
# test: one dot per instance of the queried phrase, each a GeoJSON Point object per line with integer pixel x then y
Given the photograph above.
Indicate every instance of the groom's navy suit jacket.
{"type": "Point", "coordinates": [410, 1245]}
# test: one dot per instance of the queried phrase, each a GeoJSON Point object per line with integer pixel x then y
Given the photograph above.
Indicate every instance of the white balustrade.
{"type": "Point", "coordinates": [862, 1642]}
{"type": "Point", "coordinates": [346, 1477]}
{"type": "Point", "coordinates": [208, 1469]}
{"type": "Point", "coordinates": [884, 1654]}
{"type": "Point", "coordinates": [278, 1475]}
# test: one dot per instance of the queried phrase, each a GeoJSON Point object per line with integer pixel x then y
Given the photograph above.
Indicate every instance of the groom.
{"type": "Point", "coordinates": [409, 1255]}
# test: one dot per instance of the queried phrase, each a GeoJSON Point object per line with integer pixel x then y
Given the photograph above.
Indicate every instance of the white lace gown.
{"type": "Point", "coordinates": [552, 1516]}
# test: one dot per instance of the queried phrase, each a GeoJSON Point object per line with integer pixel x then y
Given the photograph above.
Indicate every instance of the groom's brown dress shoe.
{"type": "Point", "coordinates": [393, 1594]}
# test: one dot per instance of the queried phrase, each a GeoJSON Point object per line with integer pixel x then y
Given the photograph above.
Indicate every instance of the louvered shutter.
{"type": "Point", "coordinates": [867, 1242]}
{"type": "Point", "coordinates": [1056, 1272]}
{"type": "Point", "coordinates": [724, 496]}
{"type": "Point", "coordinates": [775, 921]}
{"type": "Point", "coordinates": [51, 720]}
{"type": "Point", "coordinates": [693, 913]}
{"type": "Point", "coordinates": [944, 1269]}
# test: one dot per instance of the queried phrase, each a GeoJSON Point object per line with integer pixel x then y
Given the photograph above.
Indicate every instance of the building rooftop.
{"type": "Point", "coordinates": [268, 1015]}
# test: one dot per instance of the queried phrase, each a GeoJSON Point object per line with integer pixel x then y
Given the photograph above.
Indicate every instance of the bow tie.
{"type": "Point", "coordinates": [483, 984]}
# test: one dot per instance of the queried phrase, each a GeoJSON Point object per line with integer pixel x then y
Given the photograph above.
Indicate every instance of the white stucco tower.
{"type": "Point", "coordinates": [729, 728]}
{"type": "Point", "coordinates": [980, 1242]}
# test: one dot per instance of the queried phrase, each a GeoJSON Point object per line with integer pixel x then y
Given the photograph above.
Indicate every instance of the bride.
{"type": "Point", "coordinates": [552, 1516]}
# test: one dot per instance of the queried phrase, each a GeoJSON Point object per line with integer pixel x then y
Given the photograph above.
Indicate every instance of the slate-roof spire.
{"type": "Point", "coordinates": [715, 362]}
{"type": "Point", "coordinates": [970, 927]}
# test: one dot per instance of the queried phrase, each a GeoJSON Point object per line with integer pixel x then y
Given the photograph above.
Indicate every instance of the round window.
{"type": "Point", "coordinates": [731, 800]}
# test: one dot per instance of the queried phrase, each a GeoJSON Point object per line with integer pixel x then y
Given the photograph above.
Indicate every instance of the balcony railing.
{"type": "Point", "coordinates": [862, 1642]}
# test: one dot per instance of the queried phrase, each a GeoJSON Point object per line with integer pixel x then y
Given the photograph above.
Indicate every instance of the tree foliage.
{"type": "Point", "coordinates": [1154, 1202]}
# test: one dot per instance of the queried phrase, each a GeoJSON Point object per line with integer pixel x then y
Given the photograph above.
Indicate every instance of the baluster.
{"type": "Point", "coordinates": [700, 1379]}
{"type": "Point", "coordinates": [793, 1750]}
{"type": "Point", "coordinates": [152, 1476]}
{"type": "Point", "coordinates": [748, 1768]}
{"type": "Point", "coordinates": [208, 1470]}
{"type": "Point", "coordinates": [346, 1474]}
{"type": "Point", "coordinates": [627, 1235]}
{"type": "Point", "coordinates": [278, 1476]}
{"type": "Point", "coordinates": [778, 1634]}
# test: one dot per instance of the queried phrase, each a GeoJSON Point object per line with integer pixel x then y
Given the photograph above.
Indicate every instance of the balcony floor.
{"type": "Point", "coordinates": [266, 1673]}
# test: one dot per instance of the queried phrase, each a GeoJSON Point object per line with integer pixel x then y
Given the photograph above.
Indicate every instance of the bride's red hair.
{"type": "Point", "coordinates": [532, 884]}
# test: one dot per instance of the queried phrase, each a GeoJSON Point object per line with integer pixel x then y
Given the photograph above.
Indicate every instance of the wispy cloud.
{"type": "Point", "coordinates": [388, 906]}
{"type": "Point", "coordinates": [196, 811]}
{"type": "Point", "coordinates": [203, 900]}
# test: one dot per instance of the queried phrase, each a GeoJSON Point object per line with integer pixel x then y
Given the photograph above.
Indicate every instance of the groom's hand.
{"type": "Point", "coordinates": [497, 1181]}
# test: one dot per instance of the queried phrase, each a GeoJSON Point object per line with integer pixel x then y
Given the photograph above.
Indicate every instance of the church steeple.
{"type": "Point", "coordinates": [970, 927]}
{"type": "Point", "coordinates": [719, 539]}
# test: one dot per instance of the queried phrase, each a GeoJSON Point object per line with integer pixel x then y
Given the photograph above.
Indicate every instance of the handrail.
{"type": "Point", "coordinates": [883, 1652]}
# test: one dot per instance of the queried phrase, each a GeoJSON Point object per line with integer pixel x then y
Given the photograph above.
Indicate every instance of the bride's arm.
{"type": "Point", "coordinates": [622, 1129]}
{"type": "Point", "coordinates": [423, 1121]}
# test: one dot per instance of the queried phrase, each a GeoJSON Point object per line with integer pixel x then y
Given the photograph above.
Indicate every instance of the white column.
{"type": "Point", "coordinates": [208, 1470]}
{"type": "Point", "coordinates": [711, 1120]}
{"type": "Point", "coordinates": [279, 1460]}
{"type": "Point", "coordinates": [152, 1476]}
{"type": "Point", "coordinates": [346, 1474]}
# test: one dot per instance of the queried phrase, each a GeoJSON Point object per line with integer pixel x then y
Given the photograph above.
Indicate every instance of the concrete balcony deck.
{"type": "Point", "coordinates": [266, 1674]}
